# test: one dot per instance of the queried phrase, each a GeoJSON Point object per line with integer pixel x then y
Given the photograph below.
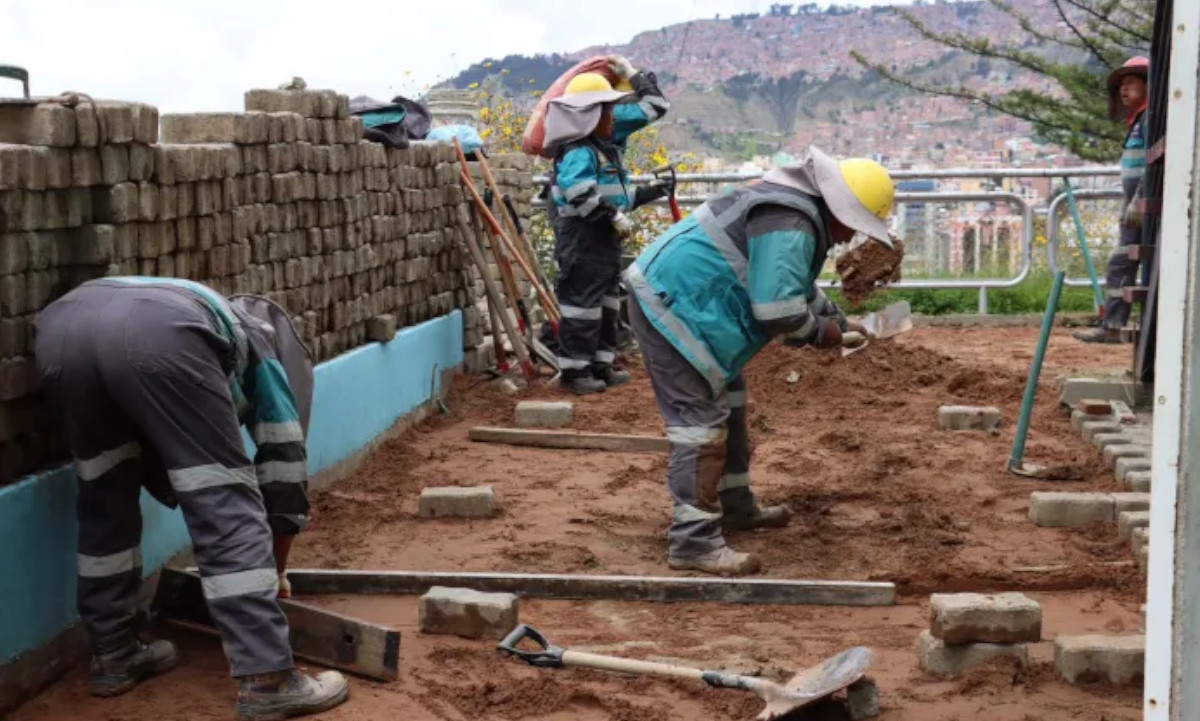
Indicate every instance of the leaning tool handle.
{"type": "Point", "coordinates": [490, 219]}
{"type": "Point", "coordinates": [547, 655]}
{"type": "Point", "coordinates": [516, 218]}
{"type": "Point", "coordinates": [669, 170]}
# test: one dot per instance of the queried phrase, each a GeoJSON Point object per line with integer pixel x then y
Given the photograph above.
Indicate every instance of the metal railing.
{"type": "Point", "coordinates": [931, 174]}
{"type": "Point", "coordinates": [1052, 231]}
{"type": "Point", "coordinates": [982, 284]}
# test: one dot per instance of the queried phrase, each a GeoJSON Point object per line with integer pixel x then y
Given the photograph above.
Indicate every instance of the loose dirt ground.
{"type": "Point", "coordinates": [880, 494]}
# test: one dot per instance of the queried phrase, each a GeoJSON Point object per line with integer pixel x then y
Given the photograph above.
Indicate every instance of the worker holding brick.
{"type": "Point", "coordinates": [151, 379]}
{"type": "Point", "coordinates": [711, 292]}
{"type": "Point", "coordinates": [587, 129]}
{"type": "Point", "coordinates": [1128, 96]}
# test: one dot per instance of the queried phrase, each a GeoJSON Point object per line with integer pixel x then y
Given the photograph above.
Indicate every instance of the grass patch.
{"type": "Point", "coordinates": [1029, 297]}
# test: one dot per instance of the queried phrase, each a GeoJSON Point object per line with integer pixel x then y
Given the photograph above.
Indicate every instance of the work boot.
{"type": "Point", "coordinates": [758, 517]}
{"type": "Point", "coordinates": [613, 377]}
{"type": "Point", "coordinates": [117, 672]}
{"type": "Point", "coordinates": [1100, 335]}
{"type": "Point", "coordinates": [583, 385]}
{"type": "Point", "coordinates": [287, 694]}
{"type": "Point", "coordinates": [722, 562]}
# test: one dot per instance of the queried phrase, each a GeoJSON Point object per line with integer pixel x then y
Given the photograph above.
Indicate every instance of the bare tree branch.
{"type": "Point", "coordinates": [1104, 18]}
{"type": "Point", "coordinates": [984, 48]}
{"type": "Point", "coordinates": [963, 93]}
{"type": "Point", "coordinates": [1028, 26]}
{"type": "Point", "coordinates": [1082, 38]}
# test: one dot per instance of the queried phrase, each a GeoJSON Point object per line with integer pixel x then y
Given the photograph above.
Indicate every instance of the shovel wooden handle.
{"type": "Point", "coordinates": [547, 655]}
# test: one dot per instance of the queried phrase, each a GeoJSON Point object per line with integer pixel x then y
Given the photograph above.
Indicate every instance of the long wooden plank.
{"type": "Point", "coordinates": [600, 588]}
{"type": "Point", "coordinates": [570, 439]}
{"type": "Point", "coordinates": [318, 635]}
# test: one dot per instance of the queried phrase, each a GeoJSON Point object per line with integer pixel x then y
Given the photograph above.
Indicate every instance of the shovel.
{"type": "Point", "coordinates": [888, 322]}
{"type": "Point", "coordinates": [806, 687]}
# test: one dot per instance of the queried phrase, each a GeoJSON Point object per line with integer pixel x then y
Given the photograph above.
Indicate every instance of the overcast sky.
{"type": "Point", "coordinates": [193, 55]}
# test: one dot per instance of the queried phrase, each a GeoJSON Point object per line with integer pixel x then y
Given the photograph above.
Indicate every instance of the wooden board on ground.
{"type": "Point", "coordinates": [318, 635]}
{"type": "Point", "coordinates": [680, 589]}
{"type": "Point", "coordinates": [571, 440]}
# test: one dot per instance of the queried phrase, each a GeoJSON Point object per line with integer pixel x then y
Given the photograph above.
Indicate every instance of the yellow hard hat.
{"type": "Point", "coordinates": [588, 83]}
{"type": "Point", "coordinates": [624, 86]}
{"type": "Point", "coordinates": [871, 184]}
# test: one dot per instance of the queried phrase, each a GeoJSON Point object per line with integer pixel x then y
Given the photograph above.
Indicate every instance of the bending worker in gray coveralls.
{"type": "Point", "coordinates": [711, 292]}
{"type": "Point", "coordinates": [151, 379]}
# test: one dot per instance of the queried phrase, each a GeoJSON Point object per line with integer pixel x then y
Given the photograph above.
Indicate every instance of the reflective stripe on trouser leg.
{"type": "Point", "coordinates": [578, 341]}
{"type": "Point", "coordinates": [606, 352]}
{"type": "Point", "coordinates": [736, 496]}
{"type": "Point", "coordinates": [696, 428]}
{"type": "Point", "coordinates": [237, 567]}
{"type": "Point", "coordinates": [693, 474]}
{"type": "Point", "coordinates": [109, 559]}
{"type": "Point", "coordinates": [1121, 272]}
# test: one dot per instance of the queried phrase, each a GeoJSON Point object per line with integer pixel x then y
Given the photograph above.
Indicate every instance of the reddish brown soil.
{"type": "Point", "coordinates": [869, 264]}
{"type": "Point", "coordinates": [880, 494]}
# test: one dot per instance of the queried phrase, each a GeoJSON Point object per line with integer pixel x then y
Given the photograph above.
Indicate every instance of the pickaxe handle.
{"type": "Point", "coordinates": [676, 213]}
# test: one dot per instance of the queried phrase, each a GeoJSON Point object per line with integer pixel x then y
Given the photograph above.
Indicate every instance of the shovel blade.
{"type": "Point", "coordinates": [890, 321]}
{"type": "Point", "coordinates": [895, 319]}
{"type": "Point", "coordinates": [1062, 472]}
{"type": "Point", "coordinates": [818, 682]}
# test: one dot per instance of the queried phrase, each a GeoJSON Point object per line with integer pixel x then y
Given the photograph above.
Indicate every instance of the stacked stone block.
{"type": "Point", "coordinates": [970, 629]}
{"type": "Point", "coordinates": [283, 200]}
{"type": "Point", "coordinates": [71, 178]}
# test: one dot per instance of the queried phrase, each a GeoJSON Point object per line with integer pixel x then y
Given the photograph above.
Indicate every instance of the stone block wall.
{"type": "Point", "coordinates": [285, 200]}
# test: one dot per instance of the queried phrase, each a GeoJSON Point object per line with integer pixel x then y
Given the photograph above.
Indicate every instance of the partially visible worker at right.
{"type": "Point", "coordinates": [1128, 95]}
{"type": "Point", "coordinates": [711, 292]}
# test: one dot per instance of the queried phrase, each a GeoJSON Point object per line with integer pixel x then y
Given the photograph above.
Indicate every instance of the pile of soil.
{"type": "Point", "coordinates": [867, 266]}
{"type": "Point", "coordinates": [880, 493]}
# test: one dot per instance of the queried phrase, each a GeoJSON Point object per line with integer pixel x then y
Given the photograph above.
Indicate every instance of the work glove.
{"type": "Point", "coordinates": [1132, 217]}
{"type": "Point", "coordinates": [829, 334]}
{"type": "Point", "coordinates": [623, 224]}
{"type": "Point", "coordinates": [830, 310]}
{"type": "Point", "coordinates": [621, 66]}
{"type": "Point", "coordinates": [649, 193]}
{"type": "Point", "coordinates": [666, 182]}
{"type": "Point", "coordinates": [285, 586]}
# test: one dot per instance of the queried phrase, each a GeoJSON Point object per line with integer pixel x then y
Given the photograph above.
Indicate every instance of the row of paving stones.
{"type": "Point", "coordinates": [969, 630]}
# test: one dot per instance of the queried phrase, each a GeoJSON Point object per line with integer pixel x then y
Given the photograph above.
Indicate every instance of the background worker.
{"type": "Point", "coordinates": [151, 379]}
{"type": "Point", "coordinates": [711, 292]}
{"type": "Point", "coordinates": [1128, 95]}
{"type": "Point", "coordinates": [586, 129]}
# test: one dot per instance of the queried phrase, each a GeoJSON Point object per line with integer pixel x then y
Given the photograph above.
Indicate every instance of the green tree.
{"type": "Point", "coordinates": [1095, 37]}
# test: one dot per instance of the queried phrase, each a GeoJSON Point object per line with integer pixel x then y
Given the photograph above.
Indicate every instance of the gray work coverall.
{"type": "Point", "coordinates": [151, 379]}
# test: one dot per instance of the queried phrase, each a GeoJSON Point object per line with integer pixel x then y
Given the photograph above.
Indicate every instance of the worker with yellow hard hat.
{"type": "Point", "coordinates": [711, 292]}
{"type": "Point", "coordinates": [591, 194]}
